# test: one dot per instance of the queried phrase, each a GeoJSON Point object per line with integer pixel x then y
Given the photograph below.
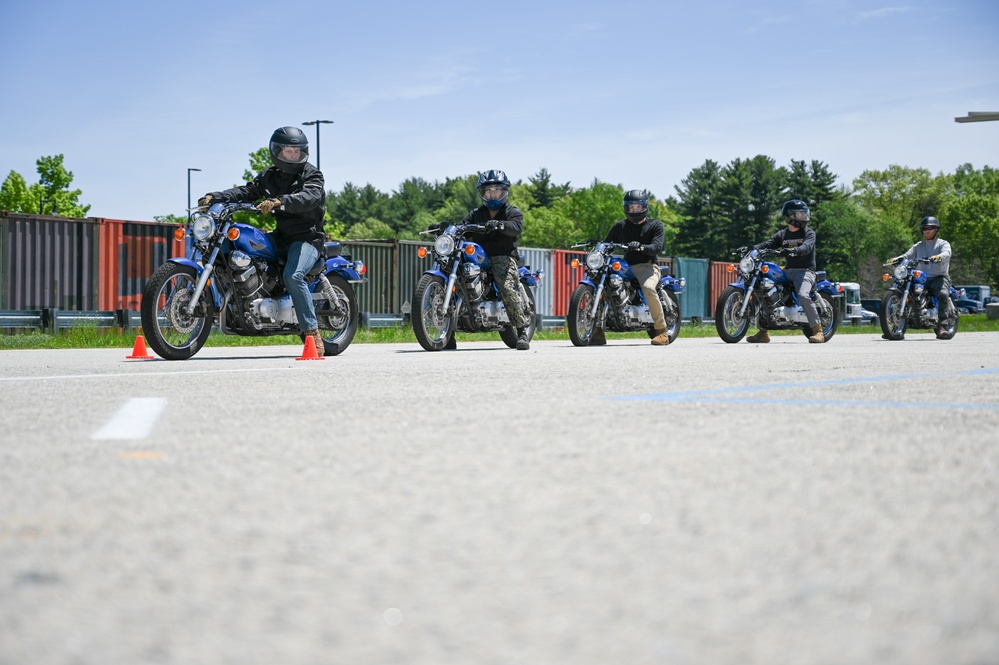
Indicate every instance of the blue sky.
{"type": "Point", "coordinates": [632, 93]}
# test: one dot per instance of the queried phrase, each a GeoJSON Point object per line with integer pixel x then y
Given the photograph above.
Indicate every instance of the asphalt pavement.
{"type": "Point", "coordinates": [698, 503]}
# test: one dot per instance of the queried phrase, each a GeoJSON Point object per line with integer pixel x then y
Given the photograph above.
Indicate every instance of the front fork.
{"type": "Point", "coordinates": [202, 281]}
{"type": "Point", "coordinates": [749, 291]}
{"type": "Point", "coordinates": [449, 289]}
{"type": "Point", "coordinates": [597, 295]}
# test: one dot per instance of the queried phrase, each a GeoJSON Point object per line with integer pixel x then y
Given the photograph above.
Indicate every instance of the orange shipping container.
{"type": "Point", "coordinates": [565, 278]}
{"type": "Point", "coordinates": [130, 252]}
{"type": "Point", "coordinates": [719, 277]}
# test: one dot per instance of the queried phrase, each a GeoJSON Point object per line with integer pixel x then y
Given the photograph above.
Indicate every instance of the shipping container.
{"type": "Point", "coordinates": [720, 277]}
{"type": "Point", "coordinates": [380, 293]}
{"type": "Point", "coordinates": [694, 299]}
{"type": "Point", "coordinates": [130, 253]}
{"type": "Point", "coordinates": [411, 269]}
{"type": "Point", "coordinates": [48, 261]}
{"type": "Point", "coordinates": [565, 278]}
{"type": "Point", "coordinates": [540, 259]}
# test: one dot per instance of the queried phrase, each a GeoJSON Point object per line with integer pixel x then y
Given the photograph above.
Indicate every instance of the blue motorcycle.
{"type": "Point", "coordinates": [610, 298]}
{"type": "Point", "coordinates": [763, 293]}
{"type": "Point", "coordinates": [459, 294]}
{"type": "Point", "coordinates": [909, 304]}
{"type": "Point", "coordinates": [233, 279]}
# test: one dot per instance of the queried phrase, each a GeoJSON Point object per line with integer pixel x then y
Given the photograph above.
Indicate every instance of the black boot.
{"type": "Point", "coordinates": [523, 343]}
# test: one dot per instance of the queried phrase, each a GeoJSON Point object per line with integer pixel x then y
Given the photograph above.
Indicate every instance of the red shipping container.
{"type": "Point", "coordinates": [718, 278]}
{"type": "Point", "coordinates": [130, 252]}
{"type": "Point", "coordinates": [565, 278]}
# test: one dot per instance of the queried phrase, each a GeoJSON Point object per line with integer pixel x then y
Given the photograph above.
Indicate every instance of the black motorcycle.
{"type": "Point", "coordinates": [908, 303]}
{"type": "Point", "coordinates": [609, 297]}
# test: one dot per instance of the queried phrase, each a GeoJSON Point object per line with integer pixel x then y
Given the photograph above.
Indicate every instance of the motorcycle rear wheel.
{"type": "Point", "coordinates": [171, 332]}
{"type": "Point", "coordinates": [431, 324]}
{"type": "Point", "coordinates": [893, 319]}
{"type": "Point", "coordinates": [672, 323]}
{"type": "Point", "coordinates": [829, 316]}
{"type": "Point", "coordinates": [341, 326]}
{"type": "Point", "coordinates": [731, 328]}
{"type": "Point", "coordinates": [579, 319]}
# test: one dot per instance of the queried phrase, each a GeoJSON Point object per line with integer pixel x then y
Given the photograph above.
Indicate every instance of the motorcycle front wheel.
{"type": "Point", "coordinates": [171, 332]}
{"type": "Point", "coordinates": [431, 324]}
{"type": "Point", "coordinates": [948, 331]}
{"type": "Point", "coordinates": [893, 319]}
{"type": "Point", "coordinates": [731, 327]}
{"type": "Point", "coordinates": [337, 315]}
{"type": "Point", "coordinates": [509, 334]}
{"type": "Point", "coordinates": [579, 319]}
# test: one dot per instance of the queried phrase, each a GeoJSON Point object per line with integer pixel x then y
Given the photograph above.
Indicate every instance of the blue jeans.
{"type": "Point", "coordinates": [301, 257]}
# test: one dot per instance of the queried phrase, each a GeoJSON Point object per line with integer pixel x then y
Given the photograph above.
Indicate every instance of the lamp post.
{"type": "Point", "coordinates": [189, 193]}
{"type": "Point", "coordinates": [317, 123]}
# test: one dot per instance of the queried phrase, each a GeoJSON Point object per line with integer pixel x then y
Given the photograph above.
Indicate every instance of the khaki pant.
{"type": "Point", "coordinates": [648, 276]}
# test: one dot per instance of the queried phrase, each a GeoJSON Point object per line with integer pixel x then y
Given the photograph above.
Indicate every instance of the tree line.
{"type": "Point", "coordinates": [714, 210]}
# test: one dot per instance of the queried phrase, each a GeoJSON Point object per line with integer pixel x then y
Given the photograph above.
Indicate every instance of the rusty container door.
{"type": "Point", "coordinates": [130, 252]}
{"type": "Point", "coordinates": [718, 279]}
{"type": "Point", "coordinates": [48, 261]}
{"type": "Point", "coordinates": [565, 278]}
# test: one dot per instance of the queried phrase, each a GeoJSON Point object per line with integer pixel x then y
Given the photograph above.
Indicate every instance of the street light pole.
{"type": "Point", "coordinates": [317, 123]}
{"type": "Point", "coordinates": [189, 193]}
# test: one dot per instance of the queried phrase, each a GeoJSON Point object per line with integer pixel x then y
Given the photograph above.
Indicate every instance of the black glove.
{"type": "Point", "coordinates": [635, 246]}
{"type": "Point", "coordinates": [494, 225]}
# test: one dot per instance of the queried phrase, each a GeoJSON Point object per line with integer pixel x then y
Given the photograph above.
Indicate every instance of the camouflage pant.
{"type": "Point", "coordinates": [504, 269]}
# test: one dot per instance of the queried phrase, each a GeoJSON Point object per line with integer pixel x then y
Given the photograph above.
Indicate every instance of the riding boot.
{"type": "Point", "coordinates": [816, 337]}
{"type": "Point", "coordinates": [762, 337]}
{"type": "Point", "coordinates": [318, 339]}
{"type": "Point", "coordinates": [661, 338]}
{"type": "Point", "coordinates": [523, 343]}
{"type": "Point", "coordinates": [598, 338]}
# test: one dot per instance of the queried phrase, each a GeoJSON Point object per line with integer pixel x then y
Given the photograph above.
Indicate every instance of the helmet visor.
{"type": "Point", "coordinates": [796, 217]}
{"type": "Point", "coordinates": [635, 208]}
{"type": "Point", "coordinates": [290, 153]}
{"type": "Point", "coordinates": [493, 192]}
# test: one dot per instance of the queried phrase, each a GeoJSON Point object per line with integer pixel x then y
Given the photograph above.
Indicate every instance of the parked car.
{"type": "Point", "coordinates": [972, 298]}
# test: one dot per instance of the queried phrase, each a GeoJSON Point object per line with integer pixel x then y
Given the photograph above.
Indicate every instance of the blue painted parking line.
{"type": "Point", "coordinates": [733, 395]}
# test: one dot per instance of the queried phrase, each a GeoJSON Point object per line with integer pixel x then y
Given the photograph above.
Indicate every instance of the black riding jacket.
{"type": "Point", "coordinates": [650, 233]}
{"type": "Point", "coordinates": [303, 201]}
{"type": "Point", "coordinates": [497, 243]}
{"type": "Point", "coordinates": [801, 242]}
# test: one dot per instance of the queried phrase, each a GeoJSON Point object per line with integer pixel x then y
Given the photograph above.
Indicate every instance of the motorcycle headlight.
{"type": "Point", "coordinates": [202, 227]}
{"type": "Point", "coordinates": [594, 260]}
{"type": "Point", "coordinates": [746, 264]}
{"type": "Point", "coordinates": [899, 273]}
{"type": "Point", "coordinates": [444, 245]}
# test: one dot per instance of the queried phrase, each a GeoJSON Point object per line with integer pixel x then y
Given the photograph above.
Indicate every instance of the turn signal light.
{"type": "Point", "coordinates": [422, 252]}
{"type": "Point", "coordinates": [233, 233]}
{"type": "Point", "coordinates": [765, 269]}
{"type": "Point", "coordinates": [470, 249]}
{"type": "Point", "coordinates": [885, 277]}
{"type": "Point", "coordinates": [616, 265]}
{"type": "Point", "coordinates": [730, 268]}
{"type": "Point", "coordinates": [574, 263]}
{"type": "Point", "coordinates": [917, 273]}
{"type": "Point", "coordinates": [179, 233]}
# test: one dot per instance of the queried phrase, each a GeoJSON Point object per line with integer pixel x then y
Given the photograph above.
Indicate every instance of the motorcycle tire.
{"type": "Point", "coordinates": [672, 324]}
{"type": "Point", "coordinates": [342, 326]}
{"type": "Point", "coordinates": [433, 327]}
{"type": "Point", "coordinates": [893, 319]}
{"type": "Point", "coordinates": [730, 327]}
{"type": "Point", "coordinates": [509, 334]}
{"type": "Point", "coordinates": [830, 324]}
{"type": "Point", "coordinates": [169, 330]}
{"type": "Point", "coordinates": [578, 320]}
{"type": "Point", "coordinates": [948, 332]}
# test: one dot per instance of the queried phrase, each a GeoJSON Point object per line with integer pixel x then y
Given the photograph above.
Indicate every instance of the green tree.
{"type": "Point", "coordinates": [751, 193]}
{"type": "Point", "coordinates": [14, 194]}
{"type": "Point", "coordinates": [704, 227]}
{"type": "Point", "coordinates": [544, 192]}
{"type": "Point", "coordinates": [900, 194]}
{"type": "Point", "coordinates": [49, 194]}
{"type": "Point", "coordinates": [259, 160]}
{"type": "Point", "coordinates": [812, 183]}
{"type": "Point", "coordinates": [969, 216]}
{"type": "Point", "coordinates": [370, 229]}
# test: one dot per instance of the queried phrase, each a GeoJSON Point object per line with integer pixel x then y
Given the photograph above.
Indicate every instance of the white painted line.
{"type": "Point", "coordinates": [118, 375]}
{"type": "Point", "coordinates": [134, 420]}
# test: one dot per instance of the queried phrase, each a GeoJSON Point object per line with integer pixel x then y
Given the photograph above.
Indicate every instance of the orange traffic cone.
{"type": "Point", "coordinates": [139, 350]}
{"type": "Point", "coordinates": [309, 353]}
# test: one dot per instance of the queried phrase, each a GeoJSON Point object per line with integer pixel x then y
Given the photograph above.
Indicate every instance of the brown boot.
{"type": "Point", "coordinates": [762, 337]}
{"type": "Point", "coordinates": [661, 339]}
{"type": "Point", "coordinates": [318, 339]}
{"type": "Point", "coordinates": [816, 337]}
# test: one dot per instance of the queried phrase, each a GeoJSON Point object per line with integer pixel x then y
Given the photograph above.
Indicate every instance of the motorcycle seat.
{"type": "Point", "coordinates": [332, 249]}
{"type": "Point", "coordinates": [820, 275]}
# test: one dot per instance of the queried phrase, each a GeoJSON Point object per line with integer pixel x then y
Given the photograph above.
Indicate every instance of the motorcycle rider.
{"type": "Point", "coordinates": [938, 251]}
{"type": "Point", "coordinates": [797, 242]}
{"type": "Point", "coordinates": [293, 189]}
{"type": "Point", "coordinates": [644, 238]}
{"type": "Point", "coordinates": [504, 223]}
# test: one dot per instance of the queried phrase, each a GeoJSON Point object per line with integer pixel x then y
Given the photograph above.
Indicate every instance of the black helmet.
{"type": "Point", "coordinates": [290, 161]}
{"type": "Point", "coordinates": [498, 186]}
{"type": "Point", "coordinates": [929, 223]}
{"type": "Point", "coordinates": [636, 205]}
{"type": "Point", "coordinates": [796, 211]}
